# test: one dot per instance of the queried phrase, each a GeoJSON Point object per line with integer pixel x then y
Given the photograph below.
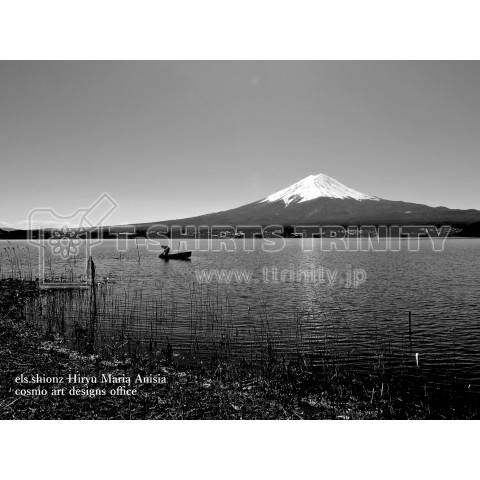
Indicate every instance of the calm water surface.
{"type": "Point", "coordinates": [440, 289]}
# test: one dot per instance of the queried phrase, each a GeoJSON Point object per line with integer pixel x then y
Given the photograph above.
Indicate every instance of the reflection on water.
{"type": "Point", "coordinates": [440, 289]}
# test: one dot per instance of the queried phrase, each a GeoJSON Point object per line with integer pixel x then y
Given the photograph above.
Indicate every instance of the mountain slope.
{"type": "Point", "coordinates": [322, 200]}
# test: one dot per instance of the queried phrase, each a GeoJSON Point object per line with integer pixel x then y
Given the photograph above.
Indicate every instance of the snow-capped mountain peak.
{"type": "Point", "coordinates": [315, 186]}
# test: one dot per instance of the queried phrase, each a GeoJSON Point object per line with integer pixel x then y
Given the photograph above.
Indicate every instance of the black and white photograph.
{"type": "Point", "coordinates": [239, 239]}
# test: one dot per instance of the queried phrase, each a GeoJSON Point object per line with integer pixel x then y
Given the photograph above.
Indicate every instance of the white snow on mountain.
{"type": "Point", "coordinates": [315, 186]}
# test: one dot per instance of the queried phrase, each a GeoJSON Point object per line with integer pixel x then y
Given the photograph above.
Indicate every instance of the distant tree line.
{"type": "Point", "coordinates": [287, 231]}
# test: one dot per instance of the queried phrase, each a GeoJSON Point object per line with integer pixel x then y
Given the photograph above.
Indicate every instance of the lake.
{"type": "Point", "coordinates": [291, 296]}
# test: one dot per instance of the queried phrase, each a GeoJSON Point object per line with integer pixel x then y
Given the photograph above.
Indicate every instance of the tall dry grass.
{"type": "Point", "coordinates": [317, 347]}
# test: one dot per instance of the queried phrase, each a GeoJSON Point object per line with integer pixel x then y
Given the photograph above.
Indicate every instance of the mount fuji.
{"type": "Point", "coordinates": [316, 186]}
{"type": "Point", "coordinates": [317, 200]}
{"type": "Point", "coordinates": [322, 200]}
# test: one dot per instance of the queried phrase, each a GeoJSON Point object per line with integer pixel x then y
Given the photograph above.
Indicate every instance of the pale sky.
{"type": "Point", "coordinates": [168, 140]}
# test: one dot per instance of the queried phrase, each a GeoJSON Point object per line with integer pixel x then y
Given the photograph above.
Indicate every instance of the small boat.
{"type": "Point", "coordinates": [176, 256]}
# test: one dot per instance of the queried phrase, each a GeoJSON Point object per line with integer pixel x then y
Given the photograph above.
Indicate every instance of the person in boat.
{"type": "Point", "coordinates": [165, 251]}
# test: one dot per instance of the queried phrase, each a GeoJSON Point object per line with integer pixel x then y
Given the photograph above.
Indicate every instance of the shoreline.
{"type": "Point", "coordinates": [215, 389]}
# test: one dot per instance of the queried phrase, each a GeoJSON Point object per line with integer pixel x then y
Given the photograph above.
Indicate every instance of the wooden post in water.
{"type": "Point", "coordinates": [138, 252]}
{"type": "Point", "coordinates": [93, 308]}
{"type": "Point", "coordinates": [410, 329]}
